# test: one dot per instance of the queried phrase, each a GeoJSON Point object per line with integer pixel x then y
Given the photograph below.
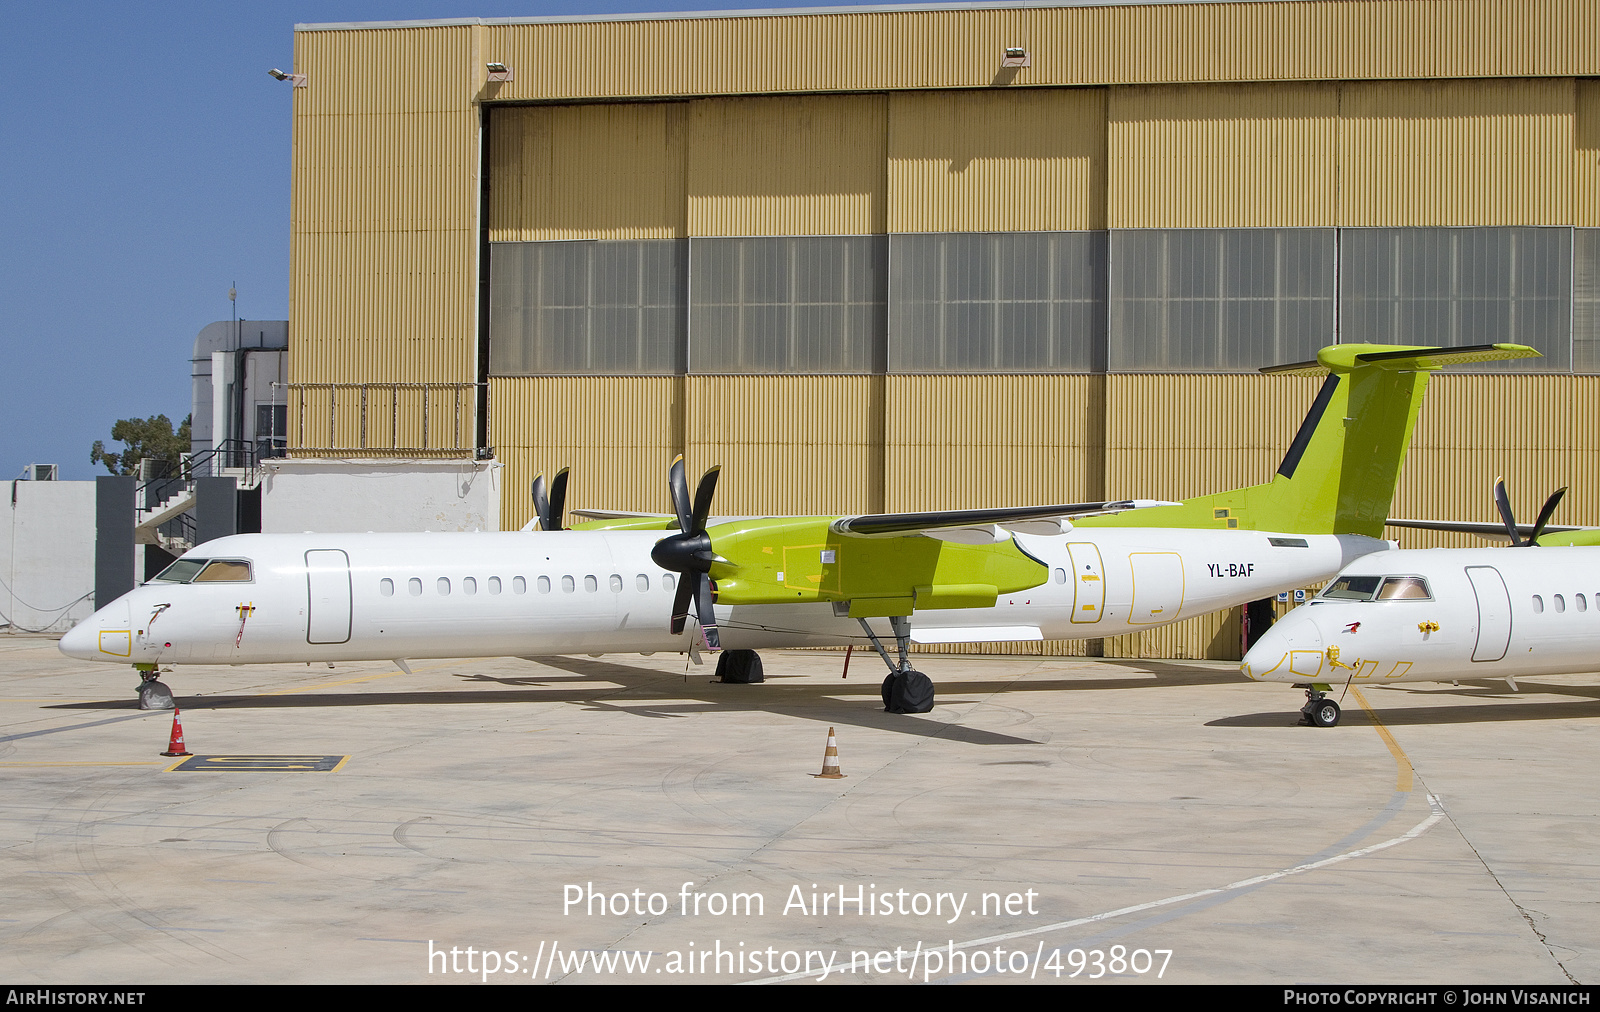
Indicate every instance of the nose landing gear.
{"type": "Point", "coordinates": [1320, 711]}
{"type": "Point", "coordinates": [153, 693]}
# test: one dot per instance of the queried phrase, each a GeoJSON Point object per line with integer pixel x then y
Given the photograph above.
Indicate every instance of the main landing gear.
{"type": "Point", "coordinates": [739, 666]}
{"type": "Point", "coordinates": [906, 690]}
{"type": "Point", "coordinates": [153, 693]}
{"type": "Point", "coordinates": [1319, 711]}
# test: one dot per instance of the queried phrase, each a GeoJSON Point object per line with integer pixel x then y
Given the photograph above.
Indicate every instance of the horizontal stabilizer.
{"type": "Point", "coordinates": [882, 524]}
{"type": "Point", "coordinates": [1344, 357]}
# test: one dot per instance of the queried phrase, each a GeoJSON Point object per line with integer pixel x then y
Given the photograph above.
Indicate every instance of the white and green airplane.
{"type": "Point", "coordinates": [1064, 571]}
{"type": "Point", "coordinates": [1435, 615]}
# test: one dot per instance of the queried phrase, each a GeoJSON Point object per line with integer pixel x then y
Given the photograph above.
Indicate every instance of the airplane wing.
{"type": "Point", "coordinates": [901, 524]}
{"type": "Point", "coordinates": [1494, 531]}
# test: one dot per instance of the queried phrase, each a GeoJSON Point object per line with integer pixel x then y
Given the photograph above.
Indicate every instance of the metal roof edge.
{"type": "Point", "coordinates": [334, 26]}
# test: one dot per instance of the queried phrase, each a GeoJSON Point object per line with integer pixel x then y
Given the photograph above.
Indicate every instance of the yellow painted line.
{"type": "Point", "coordinates": [1403, 770]}
{"type": "Point", "coordinates": [350, 681]}
{"type": "Point", "coordinates": [19, 765]}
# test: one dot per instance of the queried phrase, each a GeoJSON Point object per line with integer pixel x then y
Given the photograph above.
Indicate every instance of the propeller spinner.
{"type": "Point", "coordinates": [1503, 504]}
{"type": "Point", "coordinates": [689, 552]}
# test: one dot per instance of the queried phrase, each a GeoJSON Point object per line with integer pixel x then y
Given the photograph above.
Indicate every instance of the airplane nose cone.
{"type": "Point", "coordinates": [103, 636]}
{"type": "Point", "coordinates": [80, 641]}
{"type": "Point", "coordinates": [1295, 633]}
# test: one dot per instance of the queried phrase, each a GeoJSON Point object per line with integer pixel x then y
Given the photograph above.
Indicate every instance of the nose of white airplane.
{"type": "Point", "coordinates": [103, 636]}
{"type": "Point", "coordinates": [1274, 654]}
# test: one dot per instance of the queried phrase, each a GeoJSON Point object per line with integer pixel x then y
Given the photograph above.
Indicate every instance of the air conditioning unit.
{"type": "Point", "coordinates": [41, 472]}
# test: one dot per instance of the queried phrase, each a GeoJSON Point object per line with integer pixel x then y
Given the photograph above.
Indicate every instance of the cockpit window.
{"type": "Point", "coordinates": [1404, 588]}
{"type": "Point", "coordinates": [1352, 588]}
{"type": "Point", "coordinates": [225, 571]}
{"type": "Point", "coordinates": [181, 571]}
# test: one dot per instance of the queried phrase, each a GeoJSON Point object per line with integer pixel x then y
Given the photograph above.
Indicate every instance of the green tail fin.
{"type": "Point", "coordinates": [1340, 473]}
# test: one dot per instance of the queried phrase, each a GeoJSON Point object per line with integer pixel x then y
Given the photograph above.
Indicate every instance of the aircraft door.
{"type": "Point", "coordinates": [1157, 586]}
{"type": "Point", "coordinates": [1088, 582]}
{"type": "Point", "coordinates": [328, 596]}
{"type": "Point", "coordinates": [1494, 613]}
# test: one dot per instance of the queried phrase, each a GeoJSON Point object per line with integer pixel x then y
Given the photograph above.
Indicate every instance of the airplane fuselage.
{"type": "Point", "coordinates": [339, 597]}
{"type": "Point", "coordinates": [1486, 613]}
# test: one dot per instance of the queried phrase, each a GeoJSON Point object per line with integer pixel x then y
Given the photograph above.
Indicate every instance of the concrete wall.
{"type": "Point", "coordinates": [332, 496]}
{"type": "Point", "coordinates": [46, 555]}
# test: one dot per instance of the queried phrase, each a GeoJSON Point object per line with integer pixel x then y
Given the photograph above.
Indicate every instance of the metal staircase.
{"type": "Point", "coordinates": [165, 502]}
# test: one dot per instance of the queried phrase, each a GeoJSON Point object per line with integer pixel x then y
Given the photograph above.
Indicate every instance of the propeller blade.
{"type": "Point", "coordinates": [680, 602]}
{"type": "Point", "coordinates": [558, 501]}
{"type": "Point", "coordinates": [1545, 514]}
{"type": "Point", "coordinates": [1503, 503]}
{"type": "Point", "coordinates": [702, 498]}
{"type": "Point", "coordinates": [541, 503]}
{"type": "Point", "coordinates": [704, 603]}
{"type": "Point", "coordinates": [678, 487]}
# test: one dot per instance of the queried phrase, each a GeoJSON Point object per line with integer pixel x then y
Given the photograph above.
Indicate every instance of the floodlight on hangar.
{"type": "Point", "coordinates": [1016, 56]}
{"type": "Point", "coordinates": [499, 72]}
{"type": "Point", "coordinates": [298, 80]}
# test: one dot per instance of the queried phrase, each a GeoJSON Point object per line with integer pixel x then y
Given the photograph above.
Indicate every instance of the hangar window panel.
{"type": "Point", "coordinates": [1586, 300]}
{"type": "Point", "coordinates": [1460, 286]}
{"type": "Point", "coordinates": [808, 304]}
{"type": "Point", "coordinates": [997, 302]}
{"type": "Point", "coordinates": [587, 307]}
{"type": "Point", "coordinates": [1218, 300]}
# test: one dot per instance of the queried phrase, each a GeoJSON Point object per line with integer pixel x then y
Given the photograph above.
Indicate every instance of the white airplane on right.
{"type": "Point", "coordinates": [1436, 614]}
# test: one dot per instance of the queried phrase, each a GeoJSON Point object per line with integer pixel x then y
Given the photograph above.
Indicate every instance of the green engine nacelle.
{"type": "Point", "coordinates": [802, 560]}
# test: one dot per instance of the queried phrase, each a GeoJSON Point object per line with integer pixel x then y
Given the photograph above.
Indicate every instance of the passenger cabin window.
{"type": "Point", "coordinates": [494, 584]}
{"type": "Point", "coordinates": [469, 585]}
{"type": "Point", "coordinates": [1404, 588]}
{"type": "Point", "coordinates": [567, 586]}
{"type": "Point", "coordinates": [544, 584]}
{"type": "Point", "coordinates": [519, 585]}
{"type": "Point", "coordinates": [591, 584]}
{"type": "Point", "coordinates": [616, 584]}
{"type": "Point", "coordinates": [414, 586]}
{"type": "Point", "coordinates": [386, 587]}
{"type": "Point", "coordinates": [444, 586]}
{"type": "Point", "coordinates": [1560, 603]}
{"type": "Point", "coordinates": [1538, 605]}
{"type": "Point", "coordinates": [643, 583]}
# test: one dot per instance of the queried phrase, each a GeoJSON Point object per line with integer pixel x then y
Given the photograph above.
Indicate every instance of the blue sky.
{"type": "Point", "coordinates": [144, 169]}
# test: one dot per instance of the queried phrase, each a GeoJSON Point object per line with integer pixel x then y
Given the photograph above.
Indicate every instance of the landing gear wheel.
{"type": "Point", "coordinates": [1324, 713]}
{"type": "Point", "coordinates": [154, 693]}
{"type": "Point", "coordinates": [741, 667]}
{"type": "Point", "coordinates": [908, 691]}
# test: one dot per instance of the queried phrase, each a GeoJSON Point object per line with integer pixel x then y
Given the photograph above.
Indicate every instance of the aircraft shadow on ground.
{"type": "Point", "coordinates": [1501, 710]}
{"type": "Point", "coordinates": [633, 688]}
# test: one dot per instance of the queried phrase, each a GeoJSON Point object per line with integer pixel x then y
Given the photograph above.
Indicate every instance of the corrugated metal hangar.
{"type": "Point", "coordinates": [948, 256]}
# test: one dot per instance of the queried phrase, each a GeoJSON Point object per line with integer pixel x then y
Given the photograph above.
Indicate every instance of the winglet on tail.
{"type": "Point", "coordinates": [1340, 472]}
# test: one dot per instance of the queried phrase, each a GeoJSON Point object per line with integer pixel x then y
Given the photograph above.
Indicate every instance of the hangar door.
{"type": "Point", "coordinates": [328, 596]}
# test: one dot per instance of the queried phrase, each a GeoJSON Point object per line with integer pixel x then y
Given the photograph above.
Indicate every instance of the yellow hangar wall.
{"type": "Point", "coordinates": [1270, 115]}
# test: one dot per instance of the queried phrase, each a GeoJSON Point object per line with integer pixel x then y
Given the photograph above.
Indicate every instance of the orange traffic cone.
{"type": "Point", "coordinates": [830, 761]}
{"type": "Point", "coordinates": [175, 747]}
